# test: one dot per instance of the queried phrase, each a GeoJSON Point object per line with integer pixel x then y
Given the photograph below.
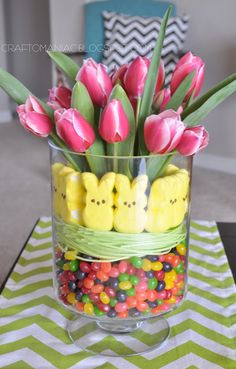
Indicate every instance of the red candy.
{"type": "Point", "coordinates": [161, 258]}
{"type": "Point", "coordinates": [141, 286]}
{"type": "Point", "coordinates": [169, 258]}
{"type": "Point", "coordinates": [161, 295]}
{"type": "Point", "coordinates": [95, 266]}
{"type": "Point", "coordinates": [85, 267]}
{"type": "Point", "coordinates": [85, 290]}
{"type": "Point", "coordinates": [121, 307]}
{"type": "Point", "coordinates": [94, 297]}
{"type": "Point", "coordinates": [92, 275]}
{"type": "Point", "coordinates": [176, 261]}
{"type": "Point", "coordinates": [114, 272]}
{"type": "Point", "coordinates": [80, 284]}
{"type": "Point", "coordinates": [152, 295]}
{"type": "Point", "coordinates": [160, 275]}
{"type": "Point", "coordinates": [79, 306]}
{"type": "Point", "coordinates": [131, 269]}
{"type": "Point", "coordinates": [110, 291]}
{"type": "Point", "coordinates": [123, 266]}
{"type": "Point", "coordinates": [103, 307]}
{"type": "Point", "coordinates": [168, 294]}
{"type": "Point", "coordinates": [140, 273]}
{"type": "Point", "coordinates": [141, 295]}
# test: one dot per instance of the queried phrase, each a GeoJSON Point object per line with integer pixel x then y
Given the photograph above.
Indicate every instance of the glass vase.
{"type": "Point", "coordinates": [120, 245]}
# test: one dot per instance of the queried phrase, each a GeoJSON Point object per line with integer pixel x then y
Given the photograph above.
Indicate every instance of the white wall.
{"type": "Point", "coordinates": [5, 114]}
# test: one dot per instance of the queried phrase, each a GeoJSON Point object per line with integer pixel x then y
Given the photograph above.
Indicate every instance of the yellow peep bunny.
{"type": "Point", "coordinates": [68, 193]}
{"type": "Point", "coordinates": [168, 200]}
{"type": "Point", "coordinates": [130, 202]}
{"type": "Point", "coordinates": [99, 201]}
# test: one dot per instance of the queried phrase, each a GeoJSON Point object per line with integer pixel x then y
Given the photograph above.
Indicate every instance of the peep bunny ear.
{"type": "Point", "coordinates": [140, 183]}
{"type": "Point", "coordinates": [90, 181]}
{"type": "Point", "coordinates": [107, 182]}
{"type": "Point", "coordinates": [122, 183]}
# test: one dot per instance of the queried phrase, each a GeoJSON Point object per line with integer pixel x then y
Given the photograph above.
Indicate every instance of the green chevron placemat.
{"type": "Point", "coordinates": [203, 329]}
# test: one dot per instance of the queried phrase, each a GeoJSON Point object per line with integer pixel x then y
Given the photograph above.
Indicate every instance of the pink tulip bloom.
{"type": "Point", "coordinates": [97, 81]}
{"type": "Point", "coordinates": [118, 74]}
{"type": "Point", "coordinates": [161, 99]}
{"type": "Point", "coordinates": [74, 130]}
{"type": "Point", "coordinates": [187, 64]}
{"type": "Point", "coordinates": [163, 132]}
{"type": "Point", "coordinates": [114, 125]}
{"type": "Point", "coordinates": [34, 118]}
{"type": "Point", "coordinates": [193, 140]}
{"type": "Point", "coordinates": [136, 74]}
{"type": "Point", "coordinates": [59, 97]}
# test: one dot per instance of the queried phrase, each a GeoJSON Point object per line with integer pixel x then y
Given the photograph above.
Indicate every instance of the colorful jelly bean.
{"type": "Point", "coordinates": [123, 265]}
{"type": "Point", "coordinates": [88, 308]}
{"type": "Point", "coordinates": [105, 299]}
{"type": "Point", "coordinates": [136, 261]}
{"type": "Point", "coordinates": [181, 249]}
{"type": "Point", "coordinates": [70, 255]}
{"type": "Point", "coordinates": [134, 280]}
{"type": "Point", "coordinates": [147, 265]}
{"type": "Point", "coordinates": [157, 265]}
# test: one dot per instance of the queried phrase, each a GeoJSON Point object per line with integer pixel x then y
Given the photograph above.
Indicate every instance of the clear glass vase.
{"type": "Point", "coordinates": [120, 244]}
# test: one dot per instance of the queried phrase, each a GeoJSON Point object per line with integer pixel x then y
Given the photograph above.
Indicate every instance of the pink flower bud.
{"type": "Point", "coordinates": [136, 74]}
{"type": "Point", "coordinates": [193, 140]}
{"type": "Point", "coordinates": [59, 97]}
{"type": "Point", "coordinates": [97, 81]}
{"type": "Point", "coordinates": [118, 74]}
{"type": "Point", "coordinates": [161, 99]}
{"type": "Point", "coordinates": [34, 118]}
{"type": "Point", "coordinates": [187, 64]}
{"type": "Point", "coordinates": [74, 129]}
{"type": "Point", "coordinates": [114, 125]}
{"type": "Point", "coordinates": [163, 132]}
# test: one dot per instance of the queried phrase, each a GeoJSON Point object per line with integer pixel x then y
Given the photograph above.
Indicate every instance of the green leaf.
{"type": "Point", "coordinates": [156, 166]}
{"type": "Point", "coordinates": [150, 83]}
{"type": "Point", "coordinates": [179, 95]}
{"type": "Point", "coordinates": [65, 64]}
{"type": "Point", "coordinates": [197, 111]}
{"type": "Point", "coordinates": [81, 101]}
{"type": "Point", "coordinates": [18, 92]}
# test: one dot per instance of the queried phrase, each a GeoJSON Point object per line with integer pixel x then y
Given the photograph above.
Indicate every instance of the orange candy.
{"type": "Point", "coordinates": [88, 283]}
{"type": "Point", "coordinates": [102, 276]}
{"type": "Point", "coordinates": [142, 306]}
{"type": "Point", "coordinates": [106, 267]}
{"type": "Point", "coordinates": [151, 295]}
{"type": "Point", "coordinates": [79, 306]}
{"type": "Point", "coordinates": [123, 315]}
{"type": "Point", "coordinates": [141, 295]}
{"type": "Point", "coordinates": [131, 301]}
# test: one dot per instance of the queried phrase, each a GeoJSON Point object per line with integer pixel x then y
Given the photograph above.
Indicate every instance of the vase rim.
{"type": "Point", "coordinates": [54, 146]}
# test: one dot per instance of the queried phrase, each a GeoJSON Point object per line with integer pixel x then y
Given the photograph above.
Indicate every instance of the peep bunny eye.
{"type": "Point", "coordinates": [125, 203]}
{"type": "Point", "coordinates": [103, 201]}
{"type": "Point", "coordinates": [93, 200]}
{"type": "Point", "coordinates": [134, 203]}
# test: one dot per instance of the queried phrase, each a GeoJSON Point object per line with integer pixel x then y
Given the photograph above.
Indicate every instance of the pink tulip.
{"type": "Point", "coordinates": [114, 125]}
{"type": "Point", "coordinates": [163, 132]}
{"type": "Point", "coordinates": [34, 118]}
{"type": "Point", "coordinates": [136, 74]}
{"type": "Point", "coordinates": [161, 99]}
{"type": "Point", "coordinates": [118, 74]}
{"type": "Point", "coordinates": [74, 129]}
{"type": "Point", "coordinates": [97, 81]}
{"type": "Point", "coordinates": [59, 97]}
{"type": "Point", "coordinates": [193, 140]}
{"type": "Point", "coordinates": [187, 64]}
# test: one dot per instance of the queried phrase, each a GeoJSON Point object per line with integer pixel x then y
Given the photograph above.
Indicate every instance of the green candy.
{"type": "Point", "coordinates": [130, 292]}
{"type": "Point", "coordinates": [134, 280]}
{"type": "Point", "coordinates": [60, 263]}
{"type": "Point", "coordinates": [160, 302]}
{"type": "Point", "coordinates": [136, 261]}
{"type": "Point", "coordinates": [152, 283]}
{"type": "Point", "coordinates": [123, 277]}
{"type": "Point", "coordinates": [98, 312]}
{"type": "Point", "coordinates": [86, 299]}
{"type": "Point", "coordinates": [74, 265]}
{"type": "Point", "coordinates": [113, 302]}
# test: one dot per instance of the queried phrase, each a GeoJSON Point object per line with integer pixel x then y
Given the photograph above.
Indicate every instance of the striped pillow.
{"type": "Point", "coordinates": [129, 36]}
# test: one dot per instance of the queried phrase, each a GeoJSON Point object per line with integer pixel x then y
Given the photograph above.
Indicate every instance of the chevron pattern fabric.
{"type": "Point", "coordinates": [129, 36]}
{"type": "Point", "coordinates": [203, 329]}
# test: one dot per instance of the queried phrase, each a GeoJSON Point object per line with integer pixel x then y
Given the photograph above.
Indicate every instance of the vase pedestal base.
{"type": "Point", "coordinates": [118, 337]}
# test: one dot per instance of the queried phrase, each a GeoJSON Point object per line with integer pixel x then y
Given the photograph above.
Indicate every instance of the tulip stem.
{"type": "Point", "coordinates": [115, 160]}
{"type": "Point", "coordinates": [137, 113]}
{"type": "Point", "coordinates": [68, 156]}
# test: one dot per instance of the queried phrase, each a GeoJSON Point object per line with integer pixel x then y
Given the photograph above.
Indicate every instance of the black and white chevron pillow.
{"type": "Point", "coordinates": [129, 36]}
